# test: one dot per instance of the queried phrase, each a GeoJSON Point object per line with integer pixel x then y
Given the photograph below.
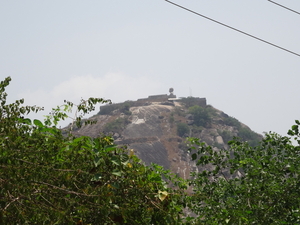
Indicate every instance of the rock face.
{"type": "Point", "coordinates": [151, 130]}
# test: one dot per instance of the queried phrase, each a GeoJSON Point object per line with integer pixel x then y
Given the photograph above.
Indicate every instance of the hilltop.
{"type": "Point", "coordinates": [156, 128]}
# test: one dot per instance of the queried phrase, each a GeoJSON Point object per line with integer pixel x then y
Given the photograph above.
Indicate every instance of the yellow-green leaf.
{"type": "Point", "coordinates": [162, 195]}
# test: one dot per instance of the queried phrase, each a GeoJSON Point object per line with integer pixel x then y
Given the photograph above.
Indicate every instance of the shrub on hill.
{"type": "Point", "coordinates": [201, 115]}
{"type": "Point", "coordinates": [182, 129]}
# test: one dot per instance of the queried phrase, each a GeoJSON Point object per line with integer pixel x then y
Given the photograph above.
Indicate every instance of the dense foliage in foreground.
{"type": "Point", "coordinates": [50, 178]}
{"type": "Point", "coordinates": [248, 185]}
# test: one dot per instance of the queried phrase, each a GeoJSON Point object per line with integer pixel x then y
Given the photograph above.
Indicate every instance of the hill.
{"type": "Point", "coordinates": [156, 128]}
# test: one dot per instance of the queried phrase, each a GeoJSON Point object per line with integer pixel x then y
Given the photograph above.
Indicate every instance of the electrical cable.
{"type": "Point", "coordinates": [284, 7]}
{"type": "Point", "coordinates": [235, 29]}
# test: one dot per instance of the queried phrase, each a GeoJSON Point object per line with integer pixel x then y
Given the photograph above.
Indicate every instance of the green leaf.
{"type": "Point", "coordinates": [124, 159]}
{"type": "Point", "coordinates": [38, 123]}
{"type": "Point", "coordinates": [295, 127]}
{"type": "Point", "coordinates": [155, 178]}
{"type": "Point", "coordinates": [78, 139]}
{"type": "Point", "coordinates": [117, 173]}
{"type": "Point", "coordinates": [115, 185]}
{"type": "Point", "coordinates": [110, 148]}
{"type": "Point", "coordinates": [26, 121]}
{"type": "Point", "coordinates": [97, 161]}
{"type": "Point", "coordinates": [49, 130]}
{"type": "Point", "coordinates": [231, 142]}
{"type": "Point", "coordinates": [97, 177]}
{"type": "Point", "coordinates": [194, 156]}
{"type": "Point", "coordinates": [116, 162]}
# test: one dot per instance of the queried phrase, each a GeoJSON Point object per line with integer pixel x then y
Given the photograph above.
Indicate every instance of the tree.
{"type": "Point", "coordinates": [50, 178]}
{"type": "Point", "coordinates": [248, 185]}
{"type": "Point", "coordinates": [182, 129]}
{"type": "Point", "coordinates": [201, 115]}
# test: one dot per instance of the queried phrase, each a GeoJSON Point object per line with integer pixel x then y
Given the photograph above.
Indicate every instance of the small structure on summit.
{"type": "Point", "coordinates": [164, 98]}
{"type": "Point", "coordinates": [171, 95]}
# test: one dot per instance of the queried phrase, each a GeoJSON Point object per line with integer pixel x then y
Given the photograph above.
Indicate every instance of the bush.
{"type": "Point", "coordinates": [48, 178]}
{"type": "Point", "coordinates": [201, 115]}
{"type": "Point", "coordinates": [182, 129]}
{"type": "Point", "coordinates": [230, 121]}
{"type": "Point", "coordinates": [197, 129]}
{"type": "Point", "coordinates": [248, 185]}
{"type": "Point", "coordinates": [117, 125]}
{"type": "Point", "coordinates": [243, 132]}
{"type": "Point", "coordinates": [125, 108]}
{"type": "Point", "coordinates": [226, 135]}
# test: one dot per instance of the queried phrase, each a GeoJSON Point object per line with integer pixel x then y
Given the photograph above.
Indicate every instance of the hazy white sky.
{"type": "Point", "coordinates": [125, 50]}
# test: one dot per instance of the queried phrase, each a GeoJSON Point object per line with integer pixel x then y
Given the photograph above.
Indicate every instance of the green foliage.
{"type": "Point", "coordinates": [217, 145]}
{"type": "Point", "coordinates": [226, 135]}
{"type": "Point", "coordinates": [201, 115]}
{"type": "Point", "coordinates": [210, 110]}
{"type": "Point", "coordinates": [248, 135]}
{"type": "Point", "coordinates": [171, 118]}
{"type": "Point", "coordinates": [125, 108]}
{"type": "Point", "coordinates": [117, 125]}
{"type": "Point", "coordinates": [182, 129]}
{"type": "Point", "coordinates": [248, 185]}
{"type": "Point", "coordinates": [230, 121]}
{"type": "Point", "coordinates": [49, 178]}
{"type": "Point", "coordinates": [243, 132]}
{"type": "Point", "coordinates": [197, 129]}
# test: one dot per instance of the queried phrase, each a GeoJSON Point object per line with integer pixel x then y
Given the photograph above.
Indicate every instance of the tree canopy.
{"type": "Point", "coordinates": [201, 115]}
{"type": "Point", "coordinates": [50, 176]}
{"type": "Point", "coordinates": [248, 185]}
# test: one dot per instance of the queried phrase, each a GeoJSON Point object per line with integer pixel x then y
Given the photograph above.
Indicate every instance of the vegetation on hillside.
{"type": "Point", "coordinates": [207, 117]}
{"type": "Point", "coordinates": [248, 185]}
{"type": "Point", "coordinates": [116, 125]}
{"type": "Point", "coordinates": [202, 116]}
{"type": "Point", "coordinates": [50, 178]}
{"type": "Point", "coordinates": [243, 132]}
{"type": "Point", "coordinates": [183, 129]}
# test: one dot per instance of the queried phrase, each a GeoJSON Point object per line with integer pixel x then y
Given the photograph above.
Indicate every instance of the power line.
{"type": "Point", "coordinates": [225, 25]}
{"type": "Point", "coordinates": [284, 7]}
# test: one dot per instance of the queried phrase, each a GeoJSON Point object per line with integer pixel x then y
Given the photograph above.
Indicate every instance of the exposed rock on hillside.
{"type": "Point", "coordinates": [157, 129]}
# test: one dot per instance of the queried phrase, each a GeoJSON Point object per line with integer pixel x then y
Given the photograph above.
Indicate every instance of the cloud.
{"type": "Point", "coordinates": [114, 86]}
{"type": "Point", "coordinates": [117, 87]}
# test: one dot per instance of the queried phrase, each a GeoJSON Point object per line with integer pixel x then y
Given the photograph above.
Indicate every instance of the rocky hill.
{"type": "Point", "coordinates": [156, 128]}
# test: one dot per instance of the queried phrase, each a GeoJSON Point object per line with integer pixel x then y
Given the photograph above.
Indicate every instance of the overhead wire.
{"type": "Point", "coordinates": [284, 7]}
{"type": "Point", "coordinates": [235, 29]}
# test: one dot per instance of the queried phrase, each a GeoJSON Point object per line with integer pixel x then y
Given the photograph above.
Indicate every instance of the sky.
{"type": "Point", "coordinates": [125, 50]}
